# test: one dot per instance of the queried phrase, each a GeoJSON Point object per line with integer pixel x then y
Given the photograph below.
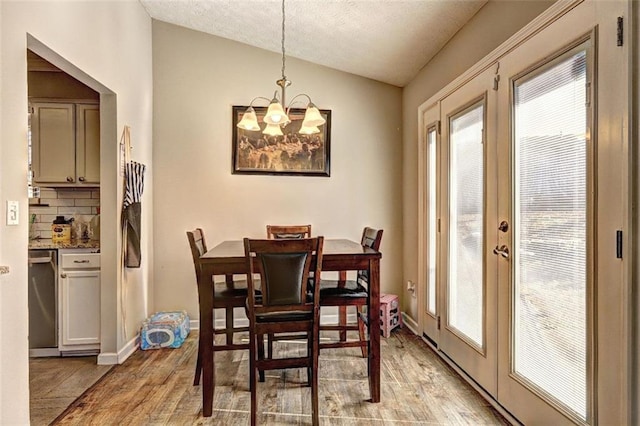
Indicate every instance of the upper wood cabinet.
{"type": "Point", "coordinates": [65, 144]}
{"type": "Point", "coordinates": [88, 143]}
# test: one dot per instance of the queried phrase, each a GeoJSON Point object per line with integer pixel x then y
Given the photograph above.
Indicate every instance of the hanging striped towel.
{"type": "Point", "coordinates": [134, 183]}
{"type": "Point", "coordinates": [132, 214]}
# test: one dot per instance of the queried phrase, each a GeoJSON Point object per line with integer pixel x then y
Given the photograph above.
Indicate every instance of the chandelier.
{"type": "Point", "coordinates": [276, 116]}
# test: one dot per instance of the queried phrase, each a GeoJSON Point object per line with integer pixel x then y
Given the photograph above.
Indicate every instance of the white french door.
{"type": "Point", "coordinates": [525, 200]}
{"type": "Point", "coordinates": [468, 278]}
{"type": "Point", "coordinates": [549, 275]}
{"type": "Point", "coordinates": [562, 155]}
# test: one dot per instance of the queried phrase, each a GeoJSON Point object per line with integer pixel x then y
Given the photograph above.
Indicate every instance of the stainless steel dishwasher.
{"type": "Point", "coordinates": [43, 303]}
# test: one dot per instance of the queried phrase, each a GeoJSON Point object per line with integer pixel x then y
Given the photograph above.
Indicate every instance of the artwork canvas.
{"type": "Point", "coordinates": [292, 153]}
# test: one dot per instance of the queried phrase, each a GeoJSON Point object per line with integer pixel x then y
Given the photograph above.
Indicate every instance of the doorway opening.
{"type": "Point", "coordinates": [73, 174]}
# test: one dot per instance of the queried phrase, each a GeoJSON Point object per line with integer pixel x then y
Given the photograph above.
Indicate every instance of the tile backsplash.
{"type": "Point", "coordinates": [67, 202]}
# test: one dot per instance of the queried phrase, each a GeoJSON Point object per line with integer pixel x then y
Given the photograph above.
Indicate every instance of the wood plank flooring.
{"type": "Point", "coordinates": [54, 383]}
{"type": "Point", "coordinates": [155, 388]}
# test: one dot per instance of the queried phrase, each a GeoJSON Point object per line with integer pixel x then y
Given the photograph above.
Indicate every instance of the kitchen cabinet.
{"type": "Point", "coordinates": [79, 313]}
{"type": "Point", "coordinates": [65, 144]}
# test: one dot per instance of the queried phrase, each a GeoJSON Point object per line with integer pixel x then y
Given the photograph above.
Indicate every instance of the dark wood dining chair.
{"type": "Point", "coordinates": [284, 305]}
{"type": "Point", "coordinates": [228, 295]}
{"type": "Point", "coordinates": [344, 293]}
{"type": "Point", "coordinates": [280, 232]}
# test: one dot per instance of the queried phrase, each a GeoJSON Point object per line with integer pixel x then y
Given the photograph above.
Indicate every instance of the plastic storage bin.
{"type": "Point", "coordinates": [390, 317]}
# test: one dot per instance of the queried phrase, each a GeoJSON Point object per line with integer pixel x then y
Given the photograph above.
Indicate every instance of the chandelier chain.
{"type": "Point", "coordinates": [283, 51]}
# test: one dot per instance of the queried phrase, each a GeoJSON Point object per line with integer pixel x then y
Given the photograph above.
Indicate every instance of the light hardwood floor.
{"type": "Point", "coordinates": [155, 387]}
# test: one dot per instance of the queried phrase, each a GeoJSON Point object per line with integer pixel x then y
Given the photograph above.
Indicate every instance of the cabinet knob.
{"type": "Point", "coordinates": [81, 178]}
{"type": "Point", "coordinates": [69, 179]}
{"type": "Point", "coordinates": [63, 275]}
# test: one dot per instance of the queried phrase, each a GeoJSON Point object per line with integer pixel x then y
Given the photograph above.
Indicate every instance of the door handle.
{"type": "Point", "coordinates": [503, 251]}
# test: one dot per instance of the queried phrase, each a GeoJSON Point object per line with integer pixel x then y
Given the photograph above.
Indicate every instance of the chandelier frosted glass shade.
{"type": "Point", "coordinates": [275, 114]}
{"type": "Point", "coordinates": [273, 130]}
{"type": "Point", "coordinates": [312, 117]}
{"type": "Point", "coordinates": [308, 130]}
{"type": "Point", "coordinates": [249, 120]}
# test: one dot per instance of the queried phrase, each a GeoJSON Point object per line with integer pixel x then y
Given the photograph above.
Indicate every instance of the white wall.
{"type": "Point", "coordinates": [490, 27]}
{"type": "Point", "coordinates": [111, 42]}
{"type": "Point", "coordinates": [197, 79]}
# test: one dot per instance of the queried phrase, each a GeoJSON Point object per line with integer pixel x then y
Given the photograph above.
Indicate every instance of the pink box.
{"type": "Point", "coordinates": [390, 317]}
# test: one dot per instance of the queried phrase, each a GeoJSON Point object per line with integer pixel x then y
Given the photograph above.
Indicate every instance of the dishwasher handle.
{"type": "Point", "coordinates": [39, 260]}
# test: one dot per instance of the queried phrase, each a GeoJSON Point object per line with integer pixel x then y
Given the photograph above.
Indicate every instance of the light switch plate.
{"type": "Point", "coordinates": [12, 212]}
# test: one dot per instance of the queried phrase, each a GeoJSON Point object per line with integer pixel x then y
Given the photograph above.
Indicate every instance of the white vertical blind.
{"type": "Point", "coordinates": [432, 218]}
{"type": "Point", "coordinates": [466, 219]}
{"type": "Point", "coordinates": [550, 230]}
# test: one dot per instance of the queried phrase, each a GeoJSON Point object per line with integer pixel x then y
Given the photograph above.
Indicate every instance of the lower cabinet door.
{"type": "Point", "coordinates": [80, 322]}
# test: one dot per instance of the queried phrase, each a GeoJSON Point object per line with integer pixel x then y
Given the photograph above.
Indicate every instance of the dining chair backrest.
{"type": "Point", "coordinates": [284, 268]}
{"type": "Point", "coordinates": [287, 232]}
{"type": "Point", "coordinates": [370, 238]}
{"type": "Point", "coordinates": [198, 246]}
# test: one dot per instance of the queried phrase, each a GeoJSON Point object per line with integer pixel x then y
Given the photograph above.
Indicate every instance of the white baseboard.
{"type": "Point", "coordinates": [43, 352]}
{"type": "Point", "coordinates": [107, 358]}
{"type": "Point", "coordinates": [410, 323]}
{"type": "Point", "coordinates": [111, 358]}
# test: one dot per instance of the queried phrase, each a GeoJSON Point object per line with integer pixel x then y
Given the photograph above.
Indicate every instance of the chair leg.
{"type": "Point", "coordinates": [252, 378]}
{"type": "Point", "coordinates": [261, 353]}
{"type": "Point", "coordinates": [270, 345]}
{"type": "Point", "coordinates": [361, 332]}
{"type": "Point", "coordinates": [314, 382]}
{"type": "Point", "coordinates": [229, 324]}
{"type": "Point", "coordinates": [342, 320]}
{"type": "Point", "coordinates": [342, 310]}
{"type": "Point", "coordinates": [196, 379]}
{"type": "Point", "coordinates": [310, 355]}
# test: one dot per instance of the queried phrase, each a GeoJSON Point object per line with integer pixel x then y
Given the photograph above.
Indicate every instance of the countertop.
{"type": "Point", "coordinates": [45, 243]}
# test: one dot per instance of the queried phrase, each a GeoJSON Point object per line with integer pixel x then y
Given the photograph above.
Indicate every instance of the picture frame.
{"type": "Point", "coordinates": [292, 154]}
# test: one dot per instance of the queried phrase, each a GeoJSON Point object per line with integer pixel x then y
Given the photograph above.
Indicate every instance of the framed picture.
{"type": "Point", "coordinates": [291, 153]}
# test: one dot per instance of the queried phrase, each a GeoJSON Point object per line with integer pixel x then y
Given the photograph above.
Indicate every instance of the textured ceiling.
{"type": "Point", "coordinates": [386, 40]}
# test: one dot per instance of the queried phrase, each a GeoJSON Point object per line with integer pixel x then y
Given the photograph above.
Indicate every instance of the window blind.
{"type": "Point", "coordinates": [550, 347]}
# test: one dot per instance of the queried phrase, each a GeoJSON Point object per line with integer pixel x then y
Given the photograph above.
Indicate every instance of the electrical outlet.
{"type": "Point", "coordinates": [12, 212]}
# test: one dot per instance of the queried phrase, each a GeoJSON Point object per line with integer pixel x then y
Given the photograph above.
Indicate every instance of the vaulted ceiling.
{"type": "Point", "coordinates": [385, 40]}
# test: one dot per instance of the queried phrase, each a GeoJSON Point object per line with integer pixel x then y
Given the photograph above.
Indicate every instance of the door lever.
{"type": "Point", "coordinates": [503, 251]}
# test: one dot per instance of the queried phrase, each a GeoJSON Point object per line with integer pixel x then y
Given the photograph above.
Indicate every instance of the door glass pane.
{"type": "Point", "coordinates": [431, 211]}
{"type": "Point", "coordinates": [466, 218]}
{"type": "Point", "coordinates": [550, 231]}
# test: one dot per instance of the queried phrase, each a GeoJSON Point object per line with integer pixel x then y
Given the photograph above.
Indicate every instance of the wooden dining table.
{"type": "Point", "coordinates": [227, 258]}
